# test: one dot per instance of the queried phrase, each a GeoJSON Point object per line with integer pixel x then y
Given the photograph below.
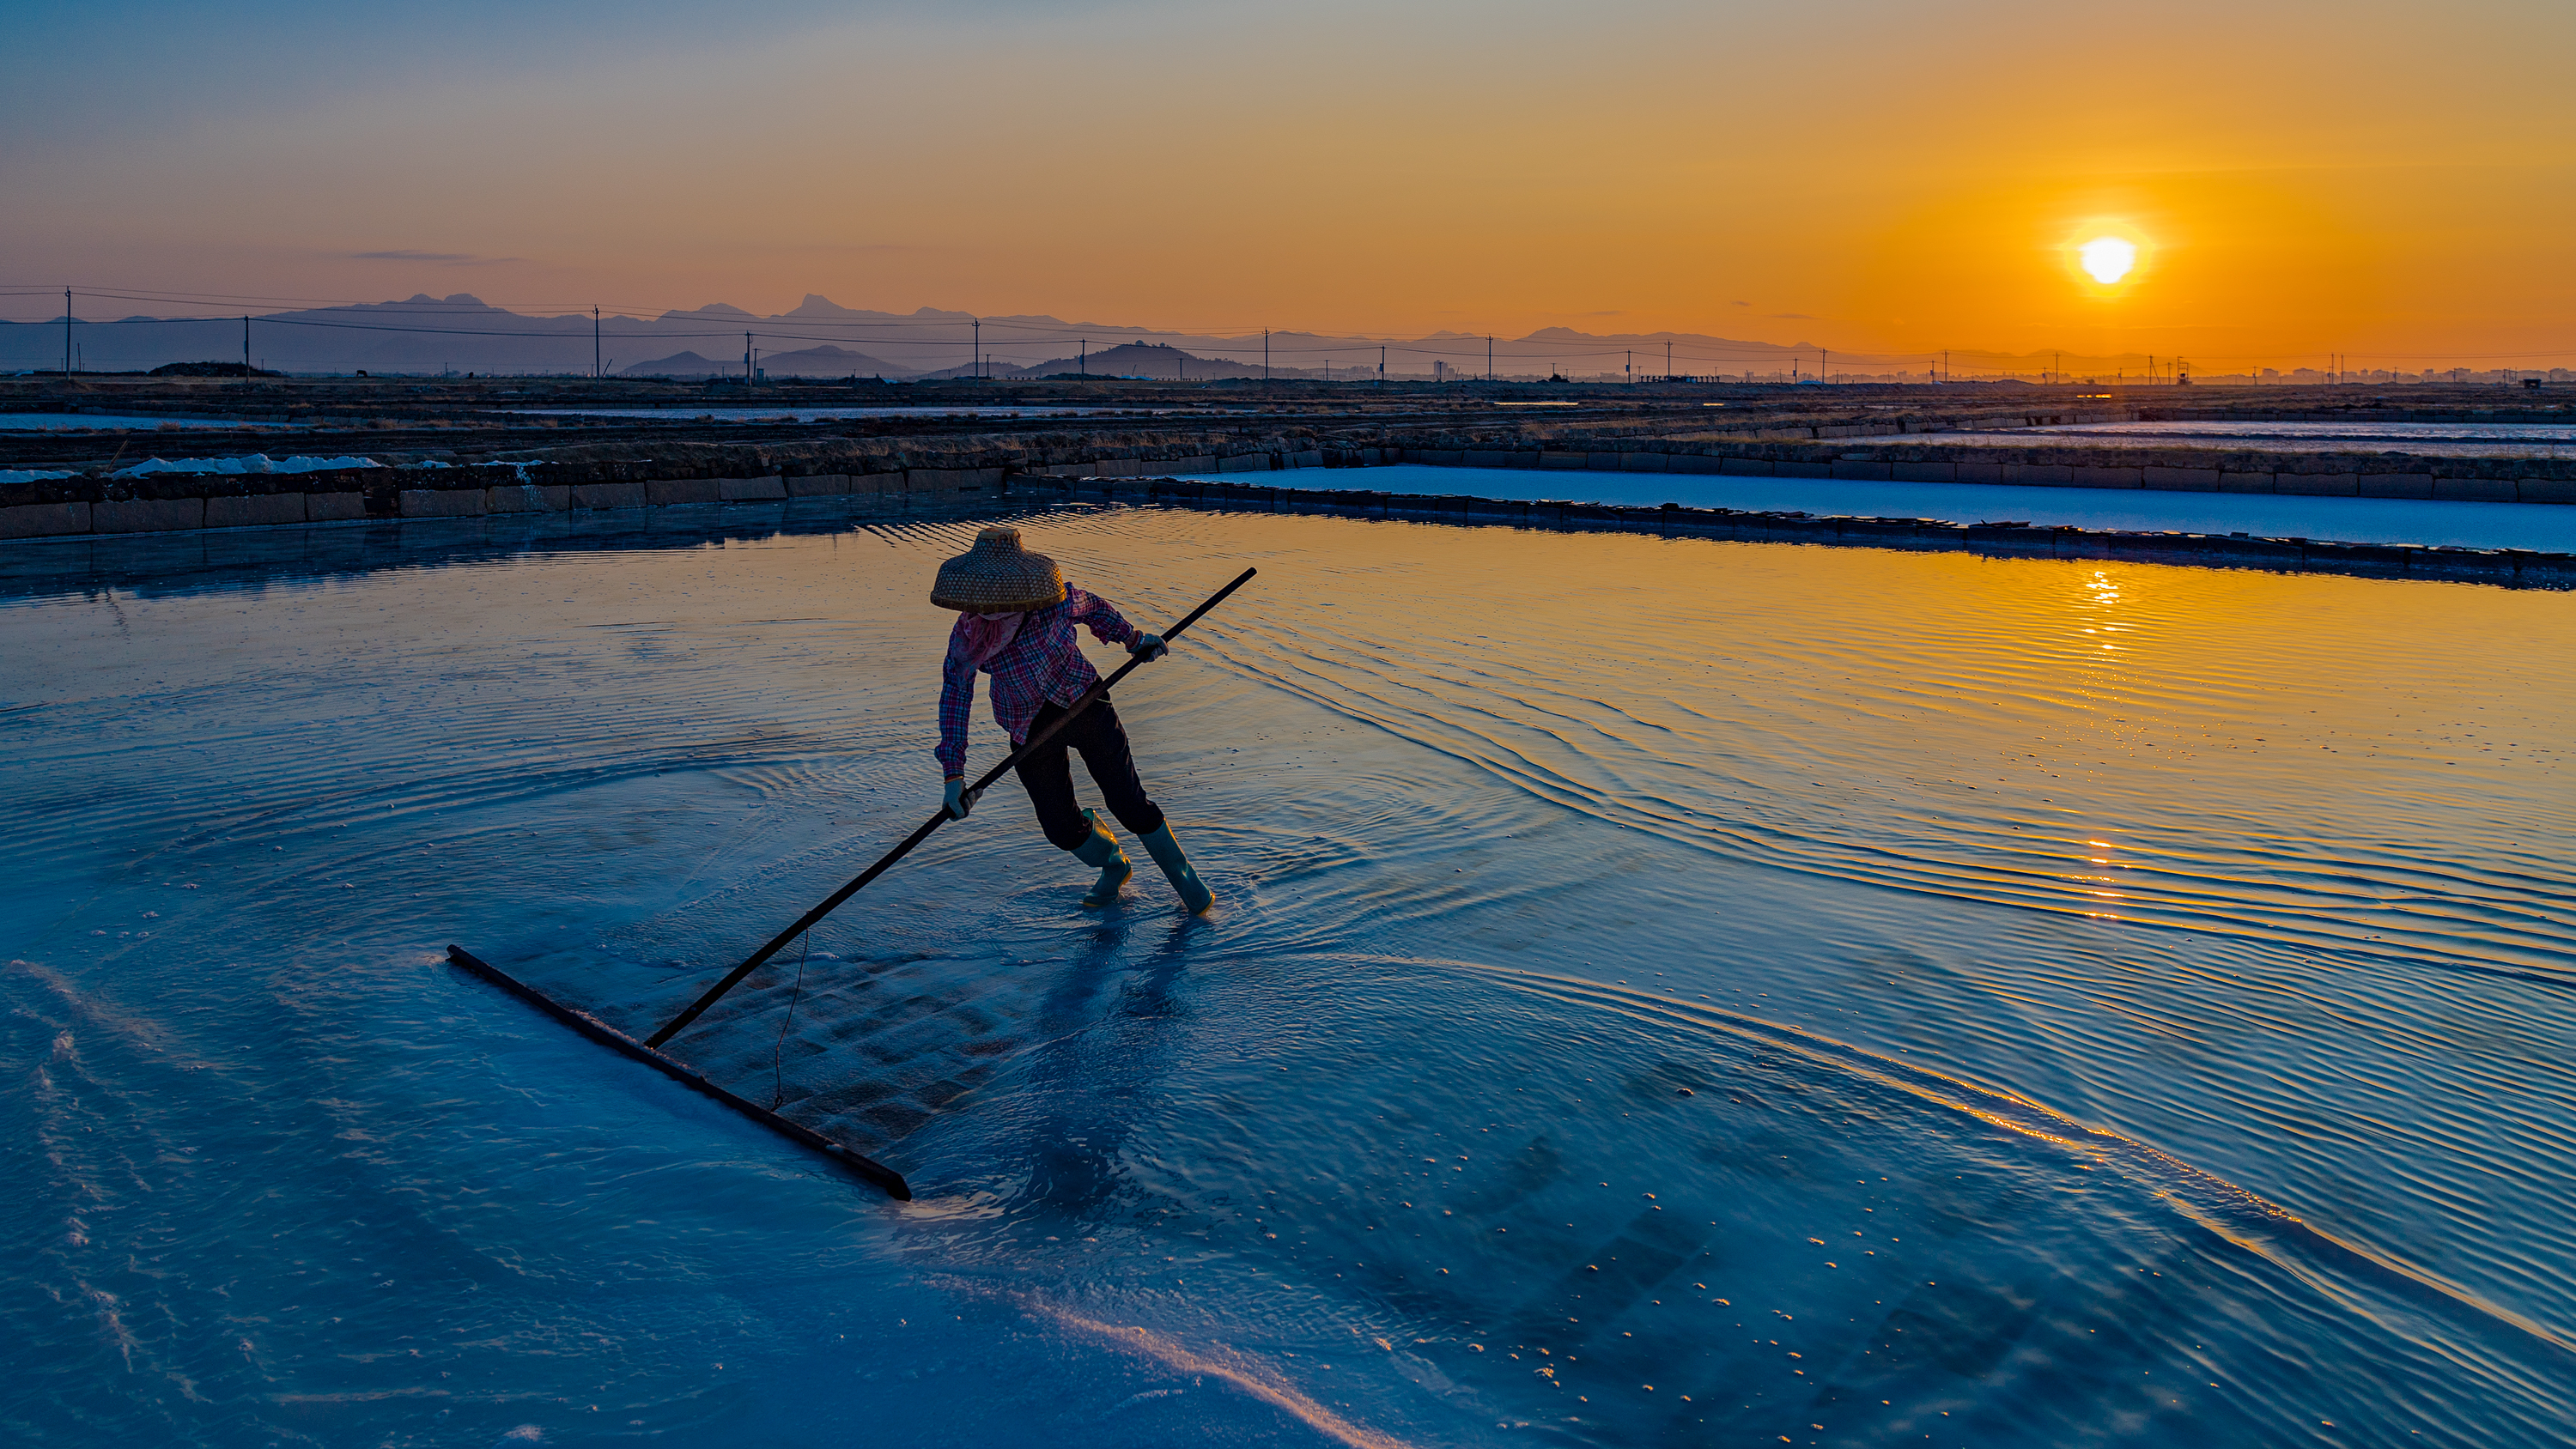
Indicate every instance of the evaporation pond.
{"type": "Point", "coordinates": [2546, 527]}
{"type": "Point", "coordinates": [1661, 991]}
{"type": "Point", "coordinates": [2531, 439]}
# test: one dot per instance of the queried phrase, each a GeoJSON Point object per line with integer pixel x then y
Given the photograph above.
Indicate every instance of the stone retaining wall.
{"type": "Point", "coordinates": [167, 502]}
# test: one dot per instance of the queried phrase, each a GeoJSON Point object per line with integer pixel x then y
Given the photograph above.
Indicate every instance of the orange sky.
{"type": "Point", "coordinates": [2388, 181]}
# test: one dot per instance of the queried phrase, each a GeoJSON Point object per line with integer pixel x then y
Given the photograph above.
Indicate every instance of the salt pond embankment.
{"type": "Point", "coordinates": [179, 502]}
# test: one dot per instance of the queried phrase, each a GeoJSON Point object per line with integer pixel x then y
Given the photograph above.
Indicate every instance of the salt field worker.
{"type": "Point", "coordinates": [1015, 618]}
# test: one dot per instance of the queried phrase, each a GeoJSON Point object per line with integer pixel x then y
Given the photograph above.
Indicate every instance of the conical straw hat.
{"type": "Point", "coordinates": [998, 576]}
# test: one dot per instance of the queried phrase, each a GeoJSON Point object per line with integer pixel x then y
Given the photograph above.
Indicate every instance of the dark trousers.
{"type": "Point", "coordinates": [1103, 743]}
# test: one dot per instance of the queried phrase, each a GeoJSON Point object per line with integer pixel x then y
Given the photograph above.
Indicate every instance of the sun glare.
{"type": "Point", "coordinates": [2108, 258]}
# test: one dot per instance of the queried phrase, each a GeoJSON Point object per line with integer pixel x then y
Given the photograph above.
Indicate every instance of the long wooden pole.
{"type": "Point", "coordinates": [921, 833]}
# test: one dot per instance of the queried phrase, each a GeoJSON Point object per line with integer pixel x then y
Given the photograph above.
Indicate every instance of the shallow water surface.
{"type": "Point", "coordinates": [2439, 440]}
{"type": "Point", "coordinates": [2545, 526]}
{"type": "Point", "coordinates": [1661, 991]}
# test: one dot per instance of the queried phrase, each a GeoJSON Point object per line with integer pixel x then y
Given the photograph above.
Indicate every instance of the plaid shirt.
{"type": "Point", "coordinates": [1040, 663]}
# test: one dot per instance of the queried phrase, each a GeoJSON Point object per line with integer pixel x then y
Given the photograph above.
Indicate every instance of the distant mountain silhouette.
{"type": "Point", "coordinates": [1158, 361]}
{"type": "Point", "coordinates": [210, 369]}
{"type": "Point", "coordinates": [820, 338]}
{"type": "Point", "coordinates": [825, 361]}
{"type": "Point", "coordinates": [682, 364]}
{"type": "Point", "coordinates": [829, 361]}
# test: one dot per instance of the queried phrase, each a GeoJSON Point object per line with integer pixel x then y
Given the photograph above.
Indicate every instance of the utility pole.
{"type": "Point", "coordinates": [594, 342]}
{"type": "Point", "coordinates": [1823, 372]}
{"type": "Point", "coordinates": [1632, 366]}
{"type": "Point", "coordinates": [1489, 357]}
{"type": "Point", "coordinates": [979, 349]}
{"type": "Point", "coordinates": [1381, 361]}
{"type": "Point", "coordinates": [245, 342]}
{"type": "Point", "coordinates": [1265, 357]}
{"type": "Point", "coordinates": [1668, 360]}
{"type": "Point", "coordinates": [746, 359]}
{"type": "Point", "coordinates": [1082, 361]}
{"type": "Point", "coordinates": [67, 335]}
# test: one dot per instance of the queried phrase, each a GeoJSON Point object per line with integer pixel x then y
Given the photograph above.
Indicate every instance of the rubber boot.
{"type": "Point", "coordinates": [1101, 852]}
{"type": "Point", "coordinates": [1167, 854]}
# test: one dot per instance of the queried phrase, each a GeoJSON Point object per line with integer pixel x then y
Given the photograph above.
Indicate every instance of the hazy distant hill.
{"type": "Point", "coordinates": [998, 369]}
{"type": "Point", "coordinates": [1142, 359]}
{"type": "Point", "coordinates": [824, 361]}
{"type": "Point", "coordinates": [682, 364]}
{"type": "Point", "coordinates": [829, 361]}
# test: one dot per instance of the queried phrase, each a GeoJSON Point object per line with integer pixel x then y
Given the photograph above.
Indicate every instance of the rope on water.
{"type": "Point", "coordinates": [777, 1087]}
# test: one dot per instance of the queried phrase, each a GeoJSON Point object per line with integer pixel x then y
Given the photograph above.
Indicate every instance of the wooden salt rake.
{"type": "Point", "coordinates": [649, 1052]}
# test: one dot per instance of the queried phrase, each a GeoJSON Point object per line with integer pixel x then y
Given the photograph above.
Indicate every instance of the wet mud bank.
{"type": "Point", "coordinates": [2522, 568]}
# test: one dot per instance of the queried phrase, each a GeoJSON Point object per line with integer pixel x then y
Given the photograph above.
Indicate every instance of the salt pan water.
{"type": "Point", "coordinates": [1661, 991]}
{"type": "Point", "coordinates": [2533, 439]}
{"type": "Point", "coordinates": [2546, 527]}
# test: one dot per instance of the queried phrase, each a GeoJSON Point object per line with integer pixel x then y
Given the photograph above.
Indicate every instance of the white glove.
{"type": "Point", "coordinates": [1148, 647]}
{"type": "Point", "coordinates": [957, 800]}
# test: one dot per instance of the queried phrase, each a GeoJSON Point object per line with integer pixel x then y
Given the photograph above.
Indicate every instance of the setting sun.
{"type": "Point", "coordinates": [2108, 258]}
